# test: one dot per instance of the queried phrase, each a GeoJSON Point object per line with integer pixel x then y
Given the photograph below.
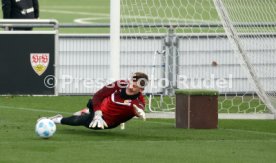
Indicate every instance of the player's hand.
{"type": "Point", "coordinates": [139, 112]}
{"type": "Point", "coordinates": [98, 121]}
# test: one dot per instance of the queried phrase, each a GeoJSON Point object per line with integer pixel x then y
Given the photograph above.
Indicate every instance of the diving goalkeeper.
{"type": "Point", "coordinates": [112, 105]}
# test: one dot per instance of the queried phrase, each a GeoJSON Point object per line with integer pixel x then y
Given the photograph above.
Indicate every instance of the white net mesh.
{"type": "Point", "coordinates": [184, 43]}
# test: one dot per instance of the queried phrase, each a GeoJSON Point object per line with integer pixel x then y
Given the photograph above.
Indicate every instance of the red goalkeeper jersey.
{"type": "Point", "coordinates": [116, 106]}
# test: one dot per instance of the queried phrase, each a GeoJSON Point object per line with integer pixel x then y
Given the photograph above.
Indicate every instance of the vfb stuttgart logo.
{"type": "Point", "coordinates": [39, 62]}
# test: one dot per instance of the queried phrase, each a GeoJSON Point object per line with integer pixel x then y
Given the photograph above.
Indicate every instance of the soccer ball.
{"type": "Point", "coordinates": [45, 128]}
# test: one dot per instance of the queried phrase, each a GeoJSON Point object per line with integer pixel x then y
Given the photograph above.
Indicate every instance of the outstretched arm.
{"type": "Point", "coordinates": [140, 107]}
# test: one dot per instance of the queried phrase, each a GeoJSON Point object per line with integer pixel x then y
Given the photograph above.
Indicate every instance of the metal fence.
{"type": "Point", "coordinates": [84, 60]}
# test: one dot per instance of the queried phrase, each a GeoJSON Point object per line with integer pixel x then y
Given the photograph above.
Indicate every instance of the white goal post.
{"type": "Point", "coordinates": [115, 39]}
{"type": "Point", "coordinates": [219, 44]}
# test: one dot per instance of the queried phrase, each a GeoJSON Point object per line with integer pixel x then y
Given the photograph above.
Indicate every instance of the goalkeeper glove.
{"type": "Point", "coordinates": [98, 121]}
{"type": "Point", "coordinates": [139, 112]}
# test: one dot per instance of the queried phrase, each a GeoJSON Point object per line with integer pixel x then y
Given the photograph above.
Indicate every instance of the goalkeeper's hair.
{"type": "Point", "coordinates": [141, 78]}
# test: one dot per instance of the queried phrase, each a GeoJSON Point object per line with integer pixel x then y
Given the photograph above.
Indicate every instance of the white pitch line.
{"type": "Point", "coordinates": [88, 20]}
{"type": "Point", "coordinates": [33, 110]}
{"type": "Point", "coordinates": [75, 7]}
{"type": "Point", "coordinates": [75, 13]}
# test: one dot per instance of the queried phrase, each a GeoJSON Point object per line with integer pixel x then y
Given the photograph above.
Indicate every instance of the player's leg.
{"type": "Point", "coordinates": [81, 120]}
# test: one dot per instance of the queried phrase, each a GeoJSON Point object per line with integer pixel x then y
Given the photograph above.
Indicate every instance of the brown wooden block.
{"type": "Point", "coordinates": [196, 109]}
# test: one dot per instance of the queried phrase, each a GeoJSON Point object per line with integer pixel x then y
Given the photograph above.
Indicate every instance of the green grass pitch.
{"type": "Point", "coordinates": [155, 140]}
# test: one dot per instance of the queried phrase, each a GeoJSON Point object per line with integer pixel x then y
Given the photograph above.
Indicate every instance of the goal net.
{"type": "Point", "coordinates": [214, 44]}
